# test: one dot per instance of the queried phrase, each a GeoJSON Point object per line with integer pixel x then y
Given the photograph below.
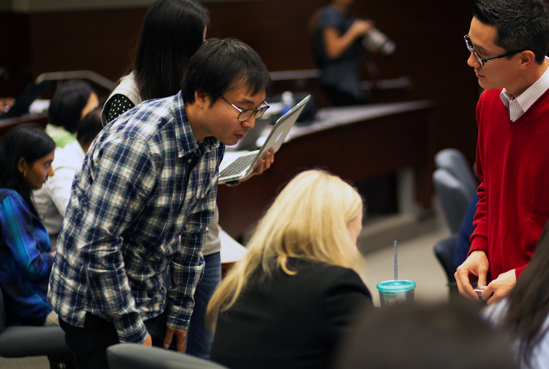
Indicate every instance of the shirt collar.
{"type": "Point", "coordinates": [520, 105]}
{"type": "Point", "coordinates": [187, 144]}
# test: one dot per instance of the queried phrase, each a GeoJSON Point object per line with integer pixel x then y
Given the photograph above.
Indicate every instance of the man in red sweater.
{"type": "Point", "coordinates": [507, 41]}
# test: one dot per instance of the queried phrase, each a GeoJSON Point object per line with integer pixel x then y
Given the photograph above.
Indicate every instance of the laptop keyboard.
{"type": "Point", "coordinates": [237, 166]}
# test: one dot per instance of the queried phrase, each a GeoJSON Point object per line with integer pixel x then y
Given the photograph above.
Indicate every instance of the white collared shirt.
{"type": "Point", "coordinates": [518, 106]}
{"type": "Point", "coordinates": [52, 199]}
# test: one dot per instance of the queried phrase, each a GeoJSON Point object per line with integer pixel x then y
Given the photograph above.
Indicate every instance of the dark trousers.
{"type": "Point", "coordinates": [88, 345]}
{"type": "Point", "coordinates": [199, 339]}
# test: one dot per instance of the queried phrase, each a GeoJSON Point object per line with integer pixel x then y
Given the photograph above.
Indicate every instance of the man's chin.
{"type": "Point", "coordinates": [233, 140]}
{"type": "Point", "coordinates": [484, 84]}
{"type": "Point", "coordinates": [229, 142]}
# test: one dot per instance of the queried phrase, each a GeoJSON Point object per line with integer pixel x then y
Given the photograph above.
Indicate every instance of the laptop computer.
{"type": "Point", "coordinates": [240, 166]}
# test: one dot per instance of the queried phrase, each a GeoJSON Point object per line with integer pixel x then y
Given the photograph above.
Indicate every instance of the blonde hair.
{"type": "Point", "coordinates": [309, 219]}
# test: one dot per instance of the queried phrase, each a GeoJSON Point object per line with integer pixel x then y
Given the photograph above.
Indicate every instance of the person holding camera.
{"type": "Point", "coordinates": [337, 37]}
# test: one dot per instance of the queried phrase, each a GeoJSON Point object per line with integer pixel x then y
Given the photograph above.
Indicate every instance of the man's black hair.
{"type": "Point", "coordinates": [224, 65]}
{"type": "Point", "coordinates": [520, 24]}
{"type": "Point", "coordinates": [89, 127]}
{"type": "Point", "coordinates": [67, 103]}
{"type": "Point", "coordinates": [415, 335]}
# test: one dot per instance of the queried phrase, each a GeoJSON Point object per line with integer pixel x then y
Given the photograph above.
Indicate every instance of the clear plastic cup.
{"type": "Point", "coordinates": [395, 291]}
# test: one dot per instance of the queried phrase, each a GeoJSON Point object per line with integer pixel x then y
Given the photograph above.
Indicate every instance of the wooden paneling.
{"type": "Point", "coordinates": [428, 35]}
{"type": "Point", "coordinates": [15, 53]}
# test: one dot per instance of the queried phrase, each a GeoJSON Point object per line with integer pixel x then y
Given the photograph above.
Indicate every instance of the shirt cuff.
{"type": "Point", "coordinates": [179, 317]}
{"type": "Point", "coordinates": [518, 271]}
{"type": "Point", "coordinates": [478, 243]}
{"type": "Point", "coordinates": [131, 329]}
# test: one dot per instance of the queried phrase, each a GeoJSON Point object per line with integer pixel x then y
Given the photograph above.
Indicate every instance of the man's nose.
{"type": "Point", "coordinates": [472, 61]}
{"type": "Point", "coordinates": [249, 123]}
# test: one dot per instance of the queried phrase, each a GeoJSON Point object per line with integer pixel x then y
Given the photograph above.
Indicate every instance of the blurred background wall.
{"type": "Point", "coordinates": [41, 36]}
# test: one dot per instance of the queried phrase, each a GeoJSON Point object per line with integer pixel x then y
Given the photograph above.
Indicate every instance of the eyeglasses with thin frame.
{"type": "Point", "coordinates": [480, 60]}
{"type": "Point", "coordinates": [246, 114]}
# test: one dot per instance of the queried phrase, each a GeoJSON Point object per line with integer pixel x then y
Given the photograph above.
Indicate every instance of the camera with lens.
{"type": "Point", "coordinates": [377, 41]}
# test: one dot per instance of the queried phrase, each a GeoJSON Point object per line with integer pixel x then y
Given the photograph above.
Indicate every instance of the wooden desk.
{"type": "Point", "coordinates": [356, 143]}
{"type": "Point", "coordinates": [40, 120]}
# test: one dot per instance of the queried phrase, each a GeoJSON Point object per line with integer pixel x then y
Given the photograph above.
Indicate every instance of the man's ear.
{"type": "Point", "coordinates": [201, 99]}
{"type": "Point", "coordinates": [527, 58]}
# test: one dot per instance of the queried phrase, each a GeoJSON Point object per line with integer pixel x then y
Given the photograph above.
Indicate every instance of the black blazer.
{"type": "Point", "coordinates": [290, 321]}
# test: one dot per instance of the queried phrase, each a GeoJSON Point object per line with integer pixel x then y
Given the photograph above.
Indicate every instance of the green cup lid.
{"type": "Point", "coordinates": [399, 285]}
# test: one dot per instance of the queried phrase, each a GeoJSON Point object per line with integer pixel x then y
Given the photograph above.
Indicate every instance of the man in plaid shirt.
{"type": "Point", "coordinates": [129, 254]}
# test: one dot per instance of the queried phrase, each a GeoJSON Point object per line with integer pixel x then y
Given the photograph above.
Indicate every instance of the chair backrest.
{"type": "Point", "coordinates": [127, 355]}
{"type": "Point", "coordinates": [444, 252]}
{"type": "Point", "coordinates": [453, 197]}
{"type": "Point", "coordinates": [454, 162]}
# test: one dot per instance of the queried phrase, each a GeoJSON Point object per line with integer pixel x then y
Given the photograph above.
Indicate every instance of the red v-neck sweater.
{"type": "Point", "coordinates": [513, 166]}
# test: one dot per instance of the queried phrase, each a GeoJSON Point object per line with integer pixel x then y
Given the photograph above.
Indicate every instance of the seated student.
{"type": "Point", "coordinates": [286, 304]}
{"type": "Point", "coordinates": [71, 102]}
{"type": "Point", "coordinates": [26, 155]}
{"type": "Point", "coordinates": [52, 199]}
{"type": "Point", "coordinates": [525, 311]}
{"type": "Point", "coordinates": [424, 336]}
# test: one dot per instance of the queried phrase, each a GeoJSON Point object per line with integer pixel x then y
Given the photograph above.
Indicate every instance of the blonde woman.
{"type": "Point", "coordinates": [287, 303]}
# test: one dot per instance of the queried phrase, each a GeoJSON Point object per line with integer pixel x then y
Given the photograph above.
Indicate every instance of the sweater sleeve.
{"type": "Point", "coordinates": [479, 238]}
{"type": "Point", "coordinates": [16, 225]}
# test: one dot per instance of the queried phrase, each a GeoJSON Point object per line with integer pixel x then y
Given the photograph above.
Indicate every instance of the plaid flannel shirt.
{"type": "Point", "coordinates": [131, 243]}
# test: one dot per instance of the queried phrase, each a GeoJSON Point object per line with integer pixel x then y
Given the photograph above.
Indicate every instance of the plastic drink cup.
{"type": "Point", "coordinates": [395, 291]}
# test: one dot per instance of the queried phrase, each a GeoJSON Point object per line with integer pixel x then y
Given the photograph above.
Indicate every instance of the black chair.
{"type": "Point", "coordinates": [444, 252]}
{"type": "Point", "coordinates": [23, 341]}
{"type": "Point", "coordinates": [453, 196]}
{"type": "Point", "coordinates": [454, 162]}
{"type": "Point", "coordinates": [128, 355]}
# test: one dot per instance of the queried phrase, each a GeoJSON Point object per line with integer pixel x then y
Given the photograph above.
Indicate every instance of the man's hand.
{"type": "Point", "coordinates": [475, 268]}
{"type": "Point", "coordinates": [180, 338]}
{"type": "Point", "coordinates": [148, 341]}
{"type": "Point", "coordinates": [499, 287]}
{"type": "Point", "coordinates": [264, 164]}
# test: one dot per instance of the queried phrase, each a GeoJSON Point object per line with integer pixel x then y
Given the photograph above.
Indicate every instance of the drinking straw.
{"type": "Point", "coordinates": [396, 263]}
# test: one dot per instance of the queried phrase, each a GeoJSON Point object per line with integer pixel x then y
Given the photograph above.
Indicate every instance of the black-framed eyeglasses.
{"type": "Point", "coordinates": [480, 60]}
{"type": "Point", "coordinates": [246, 114]}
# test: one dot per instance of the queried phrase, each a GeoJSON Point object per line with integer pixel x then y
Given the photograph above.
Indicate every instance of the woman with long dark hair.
{"type": "Point", "coordinates": [172, 32]}
{"type": "Point", "coordinates": [525, 311]}
{"type": "Point", "coordinates": [26, 154]}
